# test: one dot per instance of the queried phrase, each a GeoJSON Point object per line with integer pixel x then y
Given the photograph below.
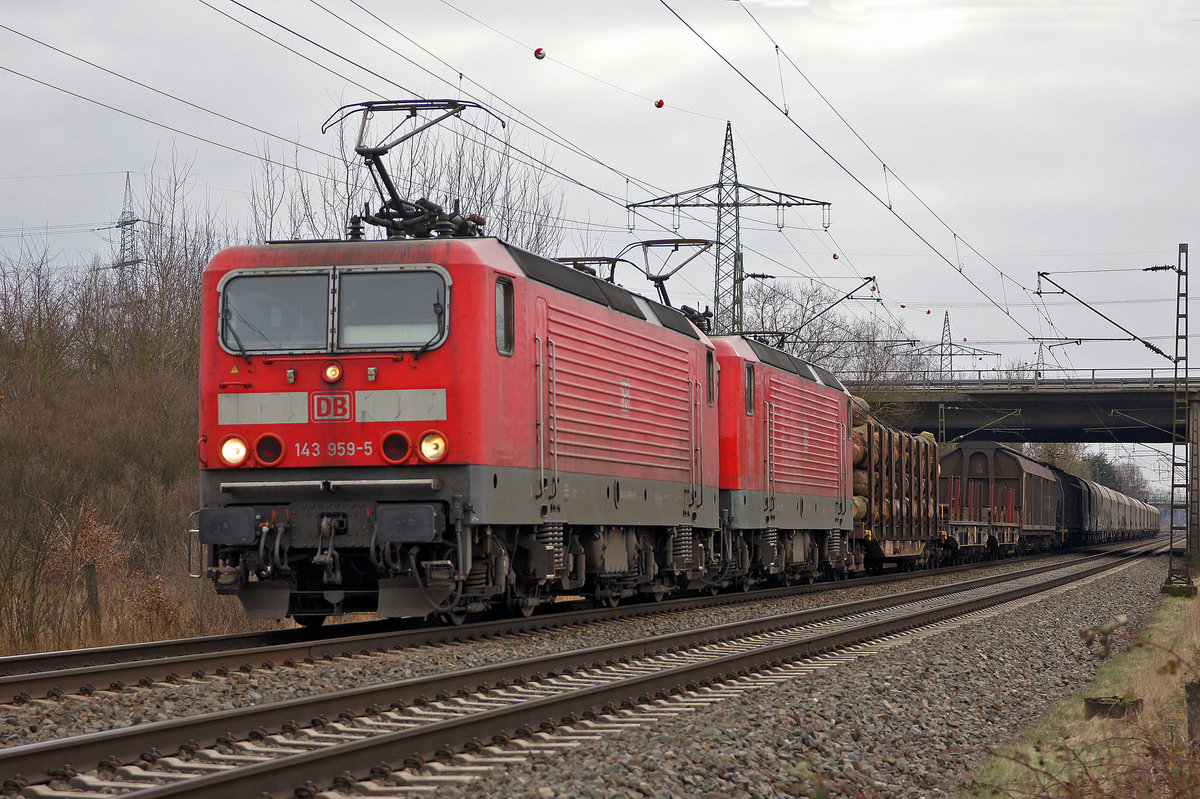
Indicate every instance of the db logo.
{"type": "Point", "coordinates": [331, 407]}
{"type": "Point", "coordinates": [626, 397]}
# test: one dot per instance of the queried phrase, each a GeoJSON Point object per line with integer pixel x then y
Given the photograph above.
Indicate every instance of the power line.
{"type": "Point", "coordinates": [160, 92]}
{"type": "Point", "coordinates": [847, 170]}
{"type": "Point", "coordinates": [162, 125]}
{"type": "Point", "coordinates": [565, 65]}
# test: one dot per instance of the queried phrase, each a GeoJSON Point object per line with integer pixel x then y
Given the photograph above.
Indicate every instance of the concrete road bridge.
{"type": "Point", "coordinates": [1097, 406]}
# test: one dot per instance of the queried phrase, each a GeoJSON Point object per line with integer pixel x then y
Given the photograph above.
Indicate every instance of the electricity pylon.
{"type": "Point", "coordinates": [729, 196]}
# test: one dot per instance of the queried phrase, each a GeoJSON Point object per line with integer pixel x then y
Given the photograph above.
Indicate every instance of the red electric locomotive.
{"type": "Point", "coordinates": [785, 461]}
{"type": "Point", "coordinates": [404, 427]}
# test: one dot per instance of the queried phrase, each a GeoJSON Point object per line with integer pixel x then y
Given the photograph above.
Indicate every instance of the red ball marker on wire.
{"type": "Point", "coordinates": [539, 54]}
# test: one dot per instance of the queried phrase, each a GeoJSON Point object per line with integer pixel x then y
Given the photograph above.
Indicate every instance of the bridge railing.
{"type": "Point", "coordinates": [1030, 378]}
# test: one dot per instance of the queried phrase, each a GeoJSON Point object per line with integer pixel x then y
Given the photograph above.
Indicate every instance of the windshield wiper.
{"type": "Point", "coordinates": [241, 348]}
{"type": "Point", "coordinates": [439, 311]}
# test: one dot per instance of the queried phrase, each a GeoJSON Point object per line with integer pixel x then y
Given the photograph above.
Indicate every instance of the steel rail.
{"type": "Point", "coordinates": [113, 667]}
{"type": "Point", "coordinates": [101, 667]}
{"type": "Point", "coordinates": [285, 773]}
{"type": "Point", "coordinates": [204, 730]}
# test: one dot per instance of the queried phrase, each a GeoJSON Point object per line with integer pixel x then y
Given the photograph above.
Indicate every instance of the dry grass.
{"type": "Point", "coordinates": [1068, 756]}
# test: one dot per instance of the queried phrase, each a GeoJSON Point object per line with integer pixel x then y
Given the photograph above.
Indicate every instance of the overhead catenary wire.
{"type": "Point", "coordinates": [838, 162]}
{"type": "Point", "coordinates": [562, 221]}
{"type": "Point", "coordinates": [531, 160]}
{"type": "Point", "coordinates": [884, 202]}
{"type": "Point", "coordinates": [958, 264]}
{"type": "Point", "coordinates": [551, 135]}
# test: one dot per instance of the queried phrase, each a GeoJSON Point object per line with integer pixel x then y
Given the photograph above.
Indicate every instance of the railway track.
{"type": "Point", "coordinates": [260, 749]}
{"type": "Point", "coordinates": [85, 671]}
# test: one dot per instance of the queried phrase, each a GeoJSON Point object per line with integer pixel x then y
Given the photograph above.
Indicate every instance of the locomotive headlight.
{"type": "Point", "coordinates": [332, 372]}
{"type": "Point", "coordinates": [234, 451]}
{"type": "Point", "coordinates": [432, 447]}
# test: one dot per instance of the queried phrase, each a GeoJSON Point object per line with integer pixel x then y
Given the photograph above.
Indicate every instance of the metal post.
{"type": "Point", "coordinates": [1193, 500]}
{"type": "Point", "coordinates": [1185, 454]}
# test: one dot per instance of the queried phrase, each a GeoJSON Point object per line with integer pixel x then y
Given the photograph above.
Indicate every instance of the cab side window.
{"type": "Point", "coordinates": [504, 316]}
{"type": "Point", "coordinates": [749, 389]}
{"type": "Point", "coordinates": [711, 377]}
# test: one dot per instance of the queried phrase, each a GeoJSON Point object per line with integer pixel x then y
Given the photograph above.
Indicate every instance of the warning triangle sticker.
{"type": "Point", "coordinates": [234, 370]}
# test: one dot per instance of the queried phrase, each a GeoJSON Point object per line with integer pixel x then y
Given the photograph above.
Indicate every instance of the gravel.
{"type": "Point", "coordinates": [913, 721]}
{"type": "Point", "coordinates": [909, 722]}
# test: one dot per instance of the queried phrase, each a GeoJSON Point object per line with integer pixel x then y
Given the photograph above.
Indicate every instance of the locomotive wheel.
{"type": "Point", "coordinates": [309, 621]}
{"type": "Point", "coordinates": [455, 617]}
{"type": "Point", "coordinates": [524, 604]}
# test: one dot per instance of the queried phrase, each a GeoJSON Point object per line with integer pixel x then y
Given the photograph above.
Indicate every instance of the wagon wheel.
{"type": "Point", "coordinates": [309, 621]}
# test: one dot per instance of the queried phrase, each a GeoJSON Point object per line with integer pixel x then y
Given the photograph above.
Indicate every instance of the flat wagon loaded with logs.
{"type": "Point", "coordinates": [895, 495]}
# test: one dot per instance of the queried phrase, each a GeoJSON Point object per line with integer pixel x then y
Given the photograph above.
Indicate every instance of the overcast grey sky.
{"type": "Point", "coordinates": [1044, 136]}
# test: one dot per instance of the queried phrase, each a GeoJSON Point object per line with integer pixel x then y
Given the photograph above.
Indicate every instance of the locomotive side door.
{"type": "Point", "coordinates": [544, 367]}
{"type": "Point", "coordinates": [769, 441]}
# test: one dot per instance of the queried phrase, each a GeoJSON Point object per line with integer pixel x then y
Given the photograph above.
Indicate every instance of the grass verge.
{"type": "Point", "coordinates": [1069, 756]}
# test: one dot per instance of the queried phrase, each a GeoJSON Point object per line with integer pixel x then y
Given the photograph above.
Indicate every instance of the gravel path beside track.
{"type": "Point", "coordinates": [913, 721]}
{"type": "Point", "coordinates": [75, 715]}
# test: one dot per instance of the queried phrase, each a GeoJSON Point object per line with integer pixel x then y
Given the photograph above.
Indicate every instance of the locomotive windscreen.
{"type": "Point", "coordinates": [394, 308]}
{"type": "Point", "coordinates": [276, 312]}
{"type": "Point", "coordinates": [390, 309]}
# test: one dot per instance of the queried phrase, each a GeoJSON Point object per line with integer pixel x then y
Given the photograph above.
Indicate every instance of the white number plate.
{"type": "Point", "coordinates": [333, 449]}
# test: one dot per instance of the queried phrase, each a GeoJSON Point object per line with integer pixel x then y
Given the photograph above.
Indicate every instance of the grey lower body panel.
{"type": "Point", "coordinates": [750, 510]}
{"type": "Point", "coordinates": [492, 495]}
{"type": "Point", "coordinates": [320, 541]}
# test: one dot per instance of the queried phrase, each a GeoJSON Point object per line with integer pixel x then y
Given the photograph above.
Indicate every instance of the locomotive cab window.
{"type": "Point", "coordinates": [504, 317]}
{"type": "Point", "coordinates": [403, 309]}
{"type": "Point", "coordinates": [275, 312]}
{"type": "Point", "coordinates": [711, 378]}
{"type": "Point", "coordinates": [749, 389]}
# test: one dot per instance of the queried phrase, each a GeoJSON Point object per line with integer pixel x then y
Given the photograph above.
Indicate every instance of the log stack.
{"type": "Point", "coordinates": [895, 479]}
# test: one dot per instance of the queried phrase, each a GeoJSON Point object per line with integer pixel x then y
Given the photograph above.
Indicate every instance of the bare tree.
{"type": "Point", "coordinates": [1069, 456]}
{"type": "Point", "coordinates": [803, 319]}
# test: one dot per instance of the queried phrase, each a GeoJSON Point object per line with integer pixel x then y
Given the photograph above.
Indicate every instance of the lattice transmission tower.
{"type": "Point", "coordinates": [127, 258]}
{"type": "Point", "coordinates": [729, 196]}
